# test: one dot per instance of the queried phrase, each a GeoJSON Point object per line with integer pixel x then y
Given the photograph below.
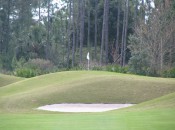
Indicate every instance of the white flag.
{"type": "Point", "coordinates": [88, 56]}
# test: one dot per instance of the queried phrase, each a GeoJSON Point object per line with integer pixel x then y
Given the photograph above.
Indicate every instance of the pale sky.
{"type": "Point", "coordinates": [59, 3]}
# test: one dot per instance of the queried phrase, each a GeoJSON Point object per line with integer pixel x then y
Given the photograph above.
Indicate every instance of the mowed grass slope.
{"type": "Point", "coordinates": [6, 79]}
{"type": "Point", "coordinates": [81, 87]}
{"type": "Point", "coordinates": [160, 116]}
{"type": "Point", "coordinates": [154, 111]}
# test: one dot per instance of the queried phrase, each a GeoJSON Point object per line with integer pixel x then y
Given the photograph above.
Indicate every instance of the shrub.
{"type": "Point", "coordinates": [138, 64]}
{"type": "Point", "coordinates": [41, 66]}
{"type": "Point", "coordinates": [94, 65]}
{"type": "Point", "coordinates": [76, 68]}
{"type": "Point", "coordinates": [34, 67]}
{"type": "Point", "coordinates": [117, 68]}
{"type": "Point", "coordinates": [169, 73]}
{"type": "Point", "coordinates": [18, 63]}
{"type": "Point", "coordinates": [98, 68]}
{"type": "Point", "coordinates": [25, 72]}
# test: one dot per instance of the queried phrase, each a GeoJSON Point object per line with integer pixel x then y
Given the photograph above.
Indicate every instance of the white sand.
{"type": "Point", "coordinates": [83, 107]}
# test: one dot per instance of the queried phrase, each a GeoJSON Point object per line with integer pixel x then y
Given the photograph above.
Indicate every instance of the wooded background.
{"type": "Point", "coordinates": [40, 35]}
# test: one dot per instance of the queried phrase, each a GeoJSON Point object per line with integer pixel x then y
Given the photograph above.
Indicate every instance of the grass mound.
{"type": "Point", "coordinates": [82, 87]}
{"type": "Point", "coordinates": [6, 79]}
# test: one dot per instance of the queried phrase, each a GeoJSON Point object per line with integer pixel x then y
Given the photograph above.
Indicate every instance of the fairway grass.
{"type": "Point", "coordinates": [152, 119]}
{"type": "Point", "coordinates": [155, 98]}
{"type": "Point", "coordinates": [134, 118]}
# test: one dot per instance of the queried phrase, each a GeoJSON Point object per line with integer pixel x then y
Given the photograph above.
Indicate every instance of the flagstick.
{"type": "Point", "coordinates": [88, 65]}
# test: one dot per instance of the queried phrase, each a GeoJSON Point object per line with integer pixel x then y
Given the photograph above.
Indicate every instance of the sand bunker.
{"type": "Point", "coordinates": [83, 107]}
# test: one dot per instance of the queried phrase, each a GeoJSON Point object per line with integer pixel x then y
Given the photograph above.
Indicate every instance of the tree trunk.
{"type": "Point", "coordinates": [89, 23]}
{"type": "Point", "coordinates": [73, 46]}
{"type": "Point", "coordinates": [62, 37]}
{"type": "Point", "coordinates": [123, 36]}
{"type": "Point", "coordinates": [95, 44]}
{"type": "Point", "coordinates": [135, 2]}
{"type": "Point", "coordinates": [48, 25]}
{"type": "Point", "coordinates": [149, 5]}
{"type": "Point", "coordinates": [47, 49]}
{"type": "Point", "coordinates": [168, 3]}
{"type": "Point", "coordinates": [5, 29]}
{"type": "Point", "coordinates": [81, 29]}
{"type": "Point", "coordinates": [106, 31]}
{"type": "Point", "coordinates": [39, 13]}
{"type": "Point", "coordinates": [78, 26]}
{"type": "Point", "coordinates": [69, 33]}
{"type": "Point", "coordinates": [103, 34]}
{"type": "Point", "coordinates": [126, 31]}
{"type": "Point", "coordinates": [8, 26]}
{"type": "Point", "coordinates": [143, 10]}
{"type": "Point", "coordinates": [161, 55]}
{"type": "Point", "coordinates": [118, 29]}
{"type": "Point", "coordinates": [171, 51]}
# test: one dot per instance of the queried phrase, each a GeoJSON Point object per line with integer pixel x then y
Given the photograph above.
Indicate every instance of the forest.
{"type": "Point", "coordinates": [127, 36]}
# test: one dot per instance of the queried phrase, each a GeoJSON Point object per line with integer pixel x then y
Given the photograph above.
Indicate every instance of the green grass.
{"type": "Point", "coordinates": [155, 111]}
{"type": "Point", "coordinates": [150, 120]}
{"type": "Point", "coordinates": [81, 87]}
{"type": "Point", "coordinates": [134, 118]}
{"type": "Point", "coordinates": [6, 79]}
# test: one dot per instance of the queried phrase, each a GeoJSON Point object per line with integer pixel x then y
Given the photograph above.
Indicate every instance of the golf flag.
{"type": "Point", "coordinates": [88, 56]}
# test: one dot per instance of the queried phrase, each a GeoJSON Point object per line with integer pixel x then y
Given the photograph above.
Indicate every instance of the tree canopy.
{"type": "Point", "coordinates": [135, 33]}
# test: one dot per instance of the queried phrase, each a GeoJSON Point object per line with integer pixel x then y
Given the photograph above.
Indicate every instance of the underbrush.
{"type": "Point", "coordinates": [169, 73]}
{"type": "Point", "coordinates": [34, 67]}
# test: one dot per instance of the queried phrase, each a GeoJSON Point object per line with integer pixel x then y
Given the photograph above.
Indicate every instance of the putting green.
{"type": "Point", "coordinates": [155, 98]}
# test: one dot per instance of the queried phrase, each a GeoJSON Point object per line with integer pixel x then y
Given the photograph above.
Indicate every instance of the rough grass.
{"type": "Point", "coordinates": [6, 79]}
{"type": "Point", "coordinates": [154, 111]}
